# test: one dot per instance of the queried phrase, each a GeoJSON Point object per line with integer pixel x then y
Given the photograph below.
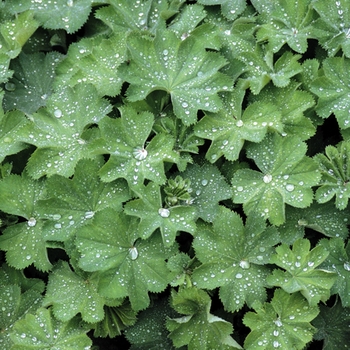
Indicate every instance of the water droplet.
{"type": "Point", "coordinates": [57, 113]}
{"type": "Point", "coordinates": [164, 213]}
{"type": "Point", "coordinates": [244, 264]}
{"type": "Point", "coordinates": [311, 263]}
{"type": "Point", "coordinates": [56, 217]}
{"type": "Point", "coordinates": [184, 104]}
{"type": "Point", "coordinates": [133, 253]}
{"type": "Point", "coordinates": [276, 344]}
{"type": "Point", "coordinates": [290, 187]}
{"type": "Point", "coordinates": [239, 188]}
{"type": "Point", "coordinates": [10, 87]}
{"type": "Point", "coordinates": [347, 266]}
{"type": "Point", "coordinates": [239, 275]}
{"type": "Point", "coordinates": [89, 214]}
{"type": "Point", "coordinates": [31, 222]}
{"type": "Point", "coordinates": [23, 335]}
{"type": "Point", "coordinates": [267, 178]}
{"type": "Point", "coordinates": [70, 3]}
{"type": "Point", "coordinates": [28, 257]}
{"type": "Point", "coordinates": [278, 323]}
{"type": "Point", "coordinates": [140, 153]}
{"type": "Point", "coordinates": [204, 182]}
{"type": "Point", "coordinates": [239, 123]}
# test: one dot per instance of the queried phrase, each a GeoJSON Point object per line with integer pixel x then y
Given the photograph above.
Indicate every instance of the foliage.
{"type": "Point", "coordinates": [174, 174]}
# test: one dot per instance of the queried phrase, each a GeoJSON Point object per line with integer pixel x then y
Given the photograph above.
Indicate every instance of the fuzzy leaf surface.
{"type": "Point", "coordinates": [72, 203]}
{"type": "Point", "coordinates": [232, 258]}
{"type": "Point", "coordinates": [199, 329]}
{"type": "Point", "coordinates": [286, 177]}
{"type": "Point", "coordinates": [43, 331]}
{"type": "Point", "coordinates": [79, 295]}
{"type": "Point", "coordinates": [338, 261]}
{"type": "Point", "coordinates": [184, 69]}
{"type": "Point", "coordinates": [301, 273]}
{"type": "Point", "coordinates": [149, 208]}
{"type": "Point", "coordinates": [335, 169]}
{"type": "Point", "coordinates": [59, 130]}
{"type": "Point", "coordinates": [127, 265]}
{"type": "Point", "coordinates": [283, 323]}
{"type": "Point", "coordinates": [333, 89]}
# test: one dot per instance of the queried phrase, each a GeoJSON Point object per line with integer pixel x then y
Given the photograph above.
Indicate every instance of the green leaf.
{"type": "Point", "coordinates": [283, 323]}
{"type": "Point", "coordinates": [232, 257]}
{"type": "Point", "coordinates": [333, 27]}
{"type": "Point", "coordinates": [333, 326]}
{"type": "Point", "coordinates": [300, 272]}
{"type": "Point", "coordinates": [184, 69]}
{"type": "Point", "coordinates": [69, 15]}
{"type": "Point", "coordinates": [59, 131]}
{"type": "Point", "coordinates": [125, 16]}
{"type": "Point", "coordinates": [150, 333]}
{"type": "Point", "coordinates": [15, 33]}
{"type": "Point", "coordinates": [231, 9]}
{"type": "Point", "coordinates": [335, 172]}
{"type": "Point", "coordinates": [338, 261]}
{"type": "Point", "coordinates": [132, 157]}
{"type": "Point", "coordinates": [293, 29]}
{"type": "Point", "coordinates": [333, 89]}
{"type": "Point", "coordinates": [323, 218]}
{"type": "Point", "coordinates": [181, 265]}
{"type": "Point", "coordinates": [71, 203]}
{"type": "Point", "coordinates": [291, 103]}
{"type": "Point", "coordinates": [96, 61]}
{"type": "Point", "coordinates": [209, 187]}
{"type": "Point", "coordinates": [15, 305]}
{"type": "Point", "coordinates": [23, 242]}
{"type": "Point", "coordinates": [153, 214]}
{"type": "Point", "coordinates": [31, 84]}
{"type": "Point", "coordinates": [286, 177]}
{"type": "Point", "coordinates": [199, 329]}
{"type": "Point", "coordinates": [43, 331]}
{"type": "Point", "coordinates": [261, 68]}
{"type": "Point", "coordinates": [10, 125]}
{"type": "Point", "coordinates": [127, 265]}
{"type": "Point", "coordinates": [79, 295]}
{"type": "Point", "coordinates": [228, 132]}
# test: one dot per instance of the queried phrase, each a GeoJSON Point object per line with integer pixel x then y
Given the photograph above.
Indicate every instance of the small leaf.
{"type": "Point", "coordinates": [184, 69]}
{"type": "Point", "coordinates": [301, 273]}
{"type": "Point", "coordinates": [199, 329]}
{"type": "Point", "coordinates": [283, 323]}
{"type": "Point", "coordinates": [335, 172]}
{"type": "Point", "coordinates": [42, 330]}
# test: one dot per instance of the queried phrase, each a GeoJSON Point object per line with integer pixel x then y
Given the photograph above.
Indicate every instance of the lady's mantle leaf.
{"type": "Point", "coordinates": [333, 26]}
{"type": "Point", "coordinates": [209, 187]}
{"type": "Point", "coordinates": [283, 323]}
{"type": "Point", "coordinates": [31, 84]}
{"type": "Point", "coordinates": [288, 22]}
{"type": "Point", "coordinates": [43, 331]}
{"type": "Point", "coordinates": [333, 326]}
{"type": "Point", "coordinates": [71, 203]}
{"type": "Point", "coordinates": [231, 9]}
{"type": "Point", "coordinates": [149, 208]}
{"type": "Point", "coordinates": [96, 61]}
{"type": "Point", "coordinates": [59, 131]}
{"type": "Point", "coordinates": [338, 261]}
{"type": "Point", "coordinates": [15, 306]}
{"type": "Point", "coordinates": [131, 266]}
{"type": "Point", "coordinates": [199, 329]}
{"type": "Point", "coordinates": [335, 170]}
{"type": "Point", "coordinates": [286, 178]}
{"type": "Point", "coordinates": [69, 15]}
{"type": "Point", "coordinates": [228, 132]}
{"type": "Point", "coordinates": [182, 68]}
{"type": "Point", "coordinates": [231, 257]}
{"type": "Point", "coordinates": [24, 242]}
{"type": "Point", "coordinates": [301, 274]}
{"type": "Point", "coordinates": [125, 140]}
{"type": "Point", "coordinates": [333, 89]}
{"type": "Point", "coordinates": [70, 294]}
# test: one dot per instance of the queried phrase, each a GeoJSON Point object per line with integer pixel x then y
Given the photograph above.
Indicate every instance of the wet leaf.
{"type": "Point", "coordinates": [283, 323]}
{"type": "Point", "coordinates": [232, 257]}
{"type": "Point", "coordinates": [301, 272]}
{"type": "Point", "coordinates": [198, 329]}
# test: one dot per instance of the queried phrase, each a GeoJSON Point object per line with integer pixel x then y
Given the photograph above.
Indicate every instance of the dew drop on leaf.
{"type": "Point", "coordinates": [164, 213]}
{"type": "Point", "coordinates": [244, 264]}
{"type": "Point", "coordinates": [204, 182]}
{"type": "Point", "coordinates": [140, 153]}
{"type": "Point", "coordinates": [57, 113]}
{"type": "Point", "coordinates": [267, 178]}
{"type": "Point", "coordinates": [89, 214]}
{"type": "Point", "coordinates": [239, 275]}
{"type": "Point", "coordinates": [31, 222]}
{"type": "Point", "coordinates": [347, 266]}
{"type": "Point", "coordinates": [290, 187]}
{"type": "Point", "coordinates": [133, 253]}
